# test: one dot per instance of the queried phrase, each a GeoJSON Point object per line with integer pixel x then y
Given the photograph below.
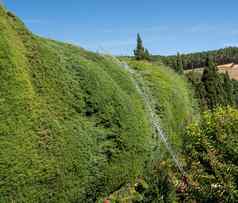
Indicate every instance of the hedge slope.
{"type": "Point", "coordinates": [73, 128]}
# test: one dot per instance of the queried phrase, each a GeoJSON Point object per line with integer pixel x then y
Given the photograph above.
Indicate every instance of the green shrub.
{"type": "Point", "coordinates": [211, 150]}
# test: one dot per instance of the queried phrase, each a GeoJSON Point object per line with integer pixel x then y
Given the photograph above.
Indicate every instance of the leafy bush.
{"type": "Point", "coordinates": [211, 151]}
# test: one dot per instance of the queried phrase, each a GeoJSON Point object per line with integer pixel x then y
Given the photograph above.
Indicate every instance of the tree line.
{"type": "Point", "coordinates": [212, 88]}
{"type": "Point", "coordinates": [198, 60]}
{"type": "Point", "coordinates": [181, 62]}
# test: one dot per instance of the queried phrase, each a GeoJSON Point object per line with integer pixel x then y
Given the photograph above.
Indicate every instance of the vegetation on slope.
{"type": "Point", "coordinates": [174, 105]}
{"type": "Point", "coordinates": [73, 127]}
{"type": "Point", "coordinates": [66, 121]}
{"type": "Point", "coordinates": [210, 160]}
{"type": "Point", "coordinates": [211, 151]}
{"type": "Point", "coordinates": [171, 95]}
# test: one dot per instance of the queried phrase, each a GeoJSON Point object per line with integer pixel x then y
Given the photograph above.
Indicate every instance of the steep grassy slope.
{"type": "Point", "coordinates": [72, 125]}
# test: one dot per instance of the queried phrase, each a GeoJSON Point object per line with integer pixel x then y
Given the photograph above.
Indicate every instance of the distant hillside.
{"type": "Point", "coordinates": [231, 68]}
{"type": "Point", "coordinates": [73, 127]}
{"type": "Point", "coordinates": [198, 60]}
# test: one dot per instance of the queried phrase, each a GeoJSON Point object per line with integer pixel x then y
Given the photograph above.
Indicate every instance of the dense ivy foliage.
{"type": "Point", "coordinates": [73, 127]}
{"type": "Point", "coordinates": [172, 97]}
{"type": "Point", "coordinates": [66, 121]}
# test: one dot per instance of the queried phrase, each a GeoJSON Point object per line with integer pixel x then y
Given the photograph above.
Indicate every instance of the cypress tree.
{"type": "Point", "coordinates": [179, 64]}
{"type": "Point", "coordinates": [140, 52]}
{"type": "Point", "coordinates": [221, 94]}
{"type": "Point", "coordinates": [147, 55]}
{"type": "Point", "coordinates": [235, 91]}
{"type": "Point", "coordinates": [228, 89]}
{"type": "Point", "coordinates": [212, 84]}
{"type": "Point", "coordinates": [201, 94]}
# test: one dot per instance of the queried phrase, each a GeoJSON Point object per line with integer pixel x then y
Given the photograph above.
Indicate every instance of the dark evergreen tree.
{"type": "Point", "coordinates": [221, 94]}
{"type": "Point", "coordinates": [228, 88]}
{"type": "Point", "coordinates": [214, 92]}
{"type": "Point", "coordinates": [179, 64]}
{"type": "Point", "coordinates": [147, 55]}
{"type": "Point", "coordinates": [140, 52]}
{"type": "Point", "coordinates": [235, 91]}
{"type": "Point", "coordinates": [213, 88]}
{"type": "Point", "coordinates": [199, 91]}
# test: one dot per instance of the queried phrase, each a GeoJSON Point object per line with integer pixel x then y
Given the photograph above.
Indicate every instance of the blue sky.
{"type": "Point", "coordinates": [166, 26]}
